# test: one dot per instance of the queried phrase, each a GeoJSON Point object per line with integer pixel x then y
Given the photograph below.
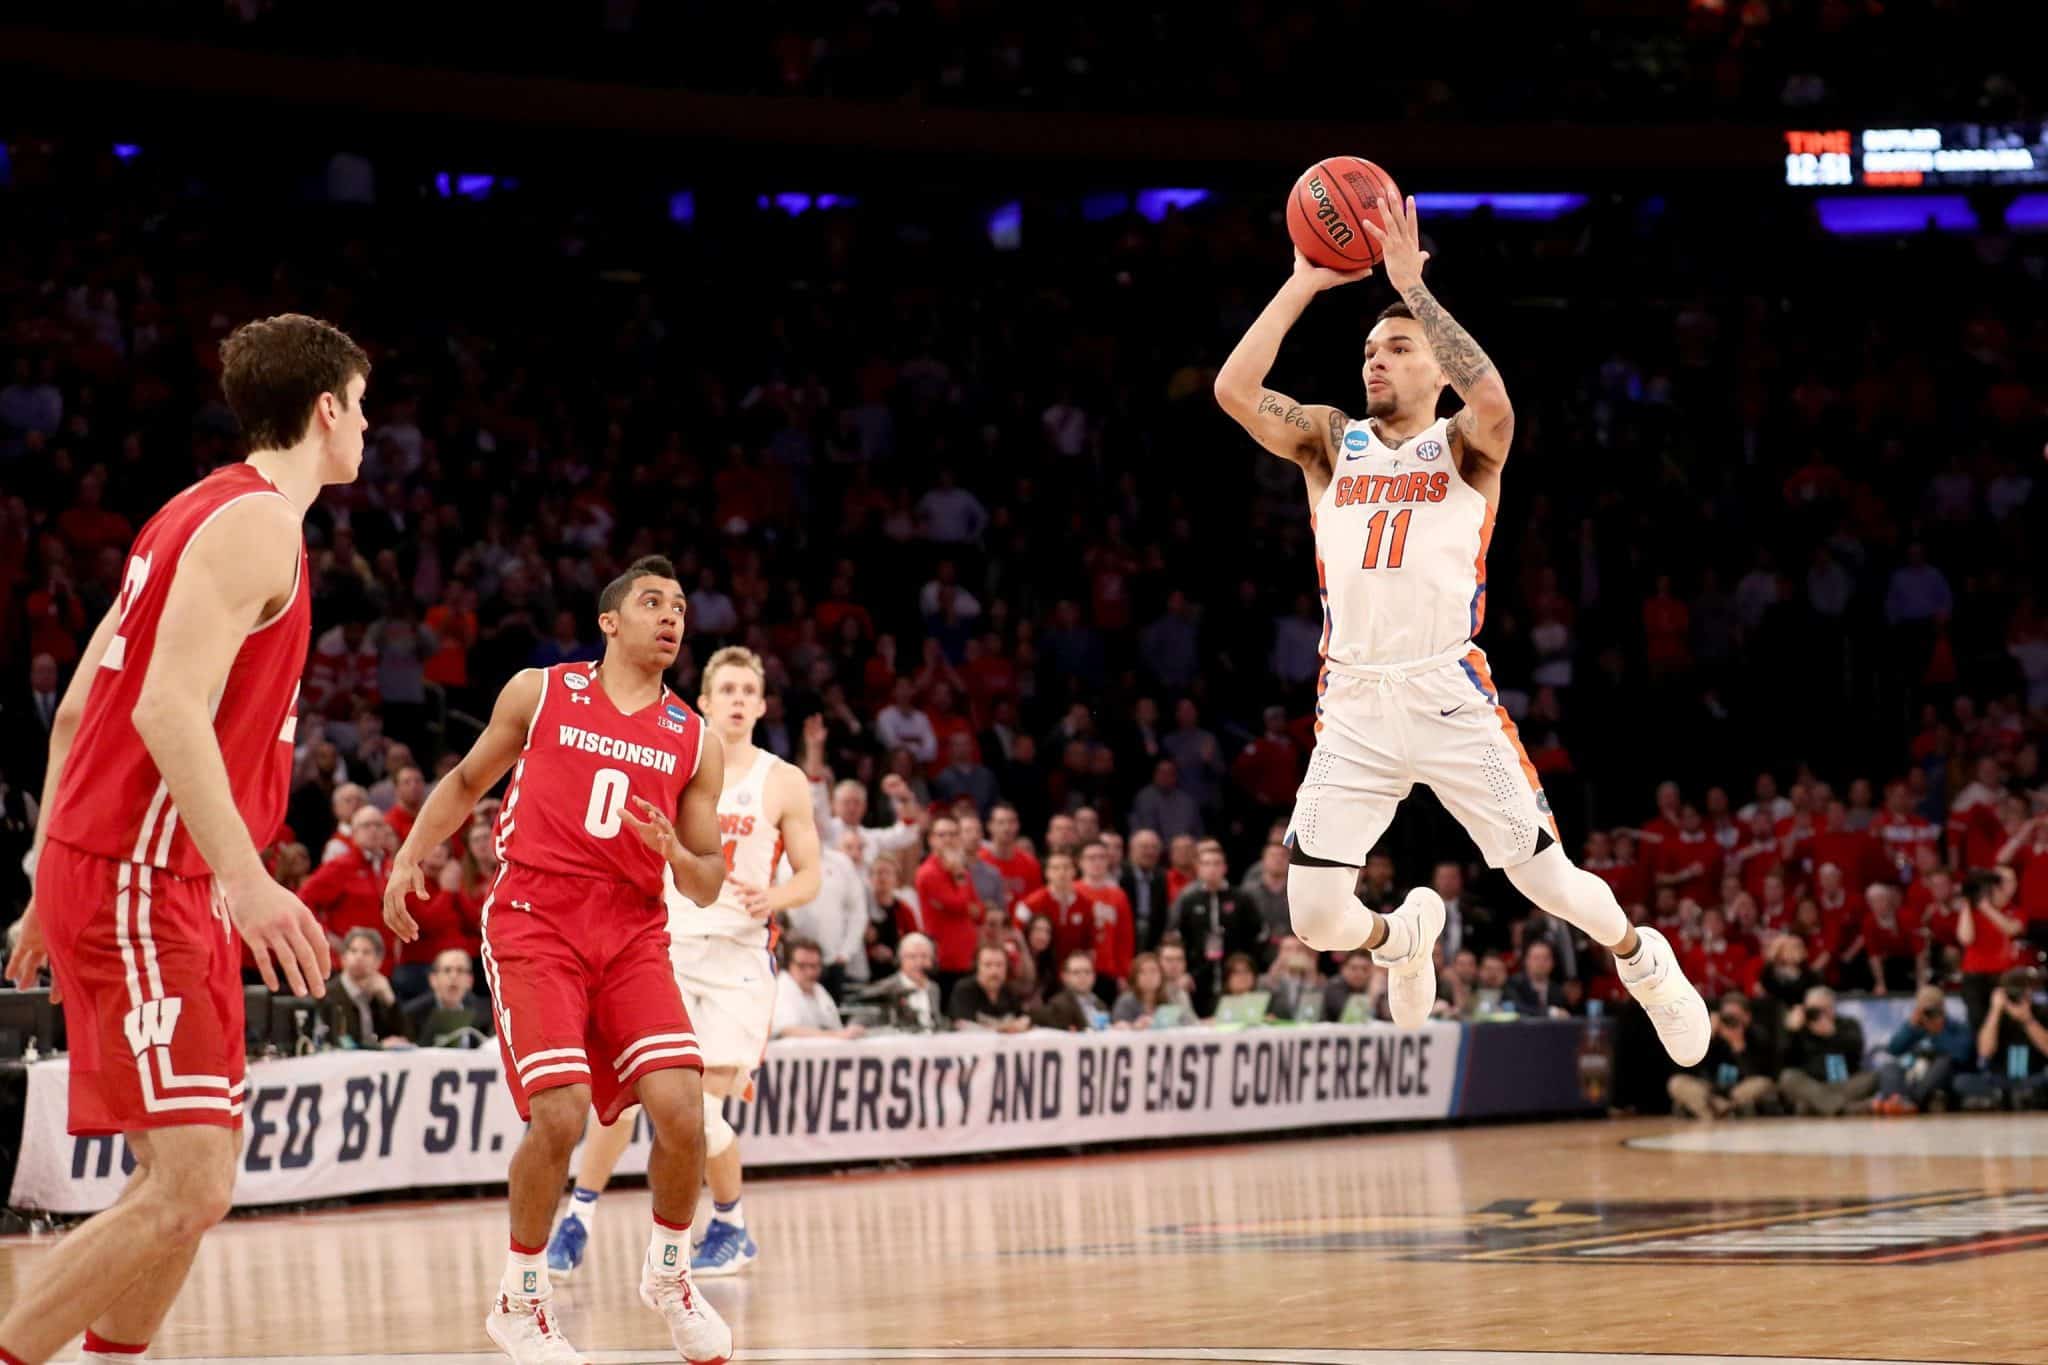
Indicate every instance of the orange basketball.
{"type": "Point", "coordinates": [1327, 205]}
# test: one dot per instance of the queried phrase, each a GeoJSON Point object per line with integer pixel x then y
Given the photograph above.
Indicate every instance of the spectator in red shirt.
{"type": "Point", "coordinates": [1882, 947]}
{"type": "Point", "coordinates": [2025, 851]}
{"type": "Point", "coordinates": [1796, 832]}
{"type": "Point", "coordinates": [1115, 933]}
{"type": "Point", "coordinates": [91, 527]}
{"type": "Point", "coordinates": [1812, 930]}
{"type": "Point", "coordinates": [55, 615]}
{"type": "Point", "coordinates": [348, 893]}
{"type": "Point", "coordinates": [1901, 830]}
{"type": "Point", "coordinates": [1854, 852]}
{"type": "Point", "coordinates": [1930, 905]}
{"type": "Point", "coordinates": [1020, 870]}
{"type": "Point", "coordinates": [343, 672]}
{"type": "Point", "coordinates": [1717, 964]}
{"type": "Point", "coordinates": [1667, 627]}
{"type": "Point", "coordinates": [1985, 927]}
{"type": "Point", "coordinates": [1720, 822]}
{"type": "Point", "coordinates": [1757, 857]}
{"type": "Point", "coordinates": [1774, 911]}
{"type": "Point", "coordinates": [410, 785]}
{"type": "Point", "coordinates": [1625, 878]}
{"type": "Point", "coordinates": [1269, 768]}
{"type": "Point", "coordinates": [1689, 861]}
{"type": "Point", "coordinates": [1664, 824]}
{"type": "Point", "coordinates": [952, 913]}
{"type": "Point", "coordinates": [348, 798]}
{"type": "Point", "coordinates": [1841, 906]}
{"type": "Point", "coordinates": [1062, 901]}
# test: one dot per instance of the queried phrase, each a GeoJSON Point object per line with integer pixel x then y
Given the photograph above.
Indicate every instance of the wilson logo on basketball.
{"type": "Point", "coordinates": [1328, 215]}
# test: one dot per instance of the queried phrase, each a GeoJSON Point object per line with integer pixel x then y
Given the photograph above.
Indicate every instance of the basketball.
{"type": "Point", "coordinates": [1325, 209]}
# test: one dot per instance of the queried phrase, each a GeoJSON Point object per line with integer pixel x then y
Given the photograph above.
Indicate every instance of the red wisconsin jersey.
{"type": "Point", "coordinates": [582, 763]}
{"type": "Point", "coordinates": [112, 800]}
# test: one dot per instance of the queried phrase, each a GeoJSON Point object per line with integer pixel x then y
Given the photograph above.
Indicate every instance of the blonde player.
{"type": "Point", "coordinates": [724, 959]}
{"type": "Point", "coordinates": [1402, 504]}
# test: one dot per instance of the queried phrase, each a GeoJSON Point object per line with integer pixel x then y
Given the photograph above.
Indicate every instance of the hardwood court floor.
{"type": "Point", "coordinates": [1901, 1240]}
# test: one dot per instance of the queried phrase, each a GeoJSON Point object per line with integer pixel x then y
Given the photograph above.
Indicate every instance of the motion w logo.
{"type": "Point", "coordinates": [151, 1023]}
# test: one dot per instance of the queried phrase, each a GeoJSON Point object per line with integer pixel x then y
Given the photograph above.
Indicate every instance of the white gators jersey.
{"type": "Point", "coordinates": [1400, 549]}
{"type": "Point", "coordinates": [753, 854]}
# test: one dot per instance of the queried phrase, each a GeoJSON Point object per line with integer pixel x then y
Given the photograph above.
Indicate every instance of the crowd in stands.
{"type": "Point", "coordinates": [1039, 623]}
{"type": "Point", "coordinates": [1578, 60]}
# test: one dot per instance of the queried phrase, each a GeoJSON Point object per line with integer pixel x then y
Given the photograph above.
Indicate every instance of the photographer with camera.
{"type": "Point", "coordinates": [2012, 1050]}
{"type": "Point", "coordinates": [1735, 1077]}
{"type": "Point", "coordinates": [1927, 1052]}
{"type": "Point", "coordinates": [1824, 1072]}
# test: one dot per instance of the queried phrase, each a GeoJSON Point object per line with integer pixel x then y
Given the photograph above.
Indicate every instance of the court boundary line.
{"type": "Point", "coordinates": [1218, 1355]}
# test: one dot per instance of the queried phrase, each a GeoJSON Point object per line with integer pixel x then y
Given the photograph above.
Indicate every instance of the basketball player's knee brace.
{"type": "Point", "coordinates": [1322, 902]}
{"type": "Point", "coordinates": [1560, 887]}
{"type": "Point", "coordinates": [718, 1134]}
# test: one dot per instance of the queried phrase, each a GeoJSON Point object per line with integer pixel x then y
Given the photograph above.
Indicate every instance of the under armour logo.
{"type": "Point", "coordinates": [527, 906]}
{"type": "Point", "coordinates": [583, 697]}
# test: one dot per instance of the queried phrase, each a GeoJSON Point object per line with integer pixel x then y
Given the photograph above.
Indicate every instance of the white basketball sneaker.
{"type": "Point", "coordinates": [1411, 978]}
{"type": "Point", "coordinates": [525, 1330]}
{"type": "Point", "coordinates": [700, 1335]}
{"type": "Point", "coordinates": [1671, 1001]}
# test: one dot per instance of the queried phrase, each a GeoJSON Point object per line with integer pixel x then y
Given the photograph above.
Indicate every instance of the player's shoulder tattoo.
{"type": "Point", "coordinates": [1338, 421]}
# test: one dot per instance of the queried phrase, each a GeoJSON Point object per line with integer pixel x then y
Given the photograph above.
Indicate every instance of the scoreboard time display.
{"type": "Point", "coordinates": [1913, 158]}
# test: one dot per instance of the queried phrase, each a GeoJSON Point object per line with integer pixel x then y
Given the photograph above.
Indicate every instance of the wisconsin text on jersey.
{"type": "Point", "coordinates": [604, 746]}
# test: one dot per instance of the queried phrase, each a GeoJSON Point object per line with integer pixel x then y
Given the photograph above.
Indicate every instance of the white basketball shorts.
{"type": "Point", "coordinates": [729, 990]}
{"type": "Point", "coordinates": [1438, 722]}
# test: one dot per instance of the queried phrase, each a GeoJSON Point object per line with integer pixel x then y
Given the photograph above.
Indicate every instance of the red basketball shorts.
{"type": "Point", "coordinates": [581, 982]}
{"type": "Point", "coordinates": [152, 983]}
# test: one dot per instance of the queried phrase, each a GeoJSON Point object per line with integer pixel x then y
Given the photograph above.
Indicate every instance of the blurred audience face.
{"type": "Point", "coordinates": [1002, 829]}
{"type": "Point", "coordinates": [451, 978]}
{"type": "Point", "coordinates": [1465, 966]}
{"type": "Point", "coordinates": [1038, 934]}
{"type": "Point", "coordinates": [347, 800]}
{"type": "Point", "coordinates": [1059, 874]}
{"type": "Point", "coordinates": [1356, 971]}
{"type": "Point", "coordinates": [1060, 833]}
{"type": "Point", "coordinates": [806, 965]}
{"type": "Point", "coordinates": [1210, 866]}
{"type": "Point", "coordinates": [1095, 863]}
{"type": "Point", "coordinates": [1240, 979]}
{"type": "Point", "coordinates": [1145, 850]}
{"type": "Point", "coordinates": [991, 969]}
{"type": "Point", "coordinates": [361, 956]}
{"type": "Point", "coordinates": [1146, 976]}
{"type": "Point", "coordinates": [1182, 854]}
{"type": "Point", "coordinates": [1538, 961]}
{"type": "Point", "coordinates": [1448, 881]}
{"type": "Point", "coordinates": [1087, 825]}
{"type": "Point", "coordinates": [916, 955]}
{"type": "Point", "coordinates": [1078, 974]}
{"type": "Point", "coordinates": [1173, 961]}
{"type": "Point", "coordinates": [411, 785]}
{"type": "Point", "coordinates": [1273, 864]}
{"type": "Point", "coordinates": [850, 803]}
{"type": "Point", "coordinates": [1493, 972]}
{"type": "Point", "coordinates": [370, 832]}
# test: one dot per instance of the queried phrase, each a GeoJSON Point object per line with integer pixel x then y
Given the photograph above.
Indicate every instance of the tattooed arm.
{"type": "Point", "coordinates": [1306, 433]}
{"type": "Point", "coordinates": [1484, 429]}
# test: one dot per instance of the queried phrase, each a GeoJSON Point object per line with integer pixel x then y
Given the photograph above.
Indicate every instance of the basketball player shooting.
{"type": "Point", "coordinates": [576, 939]}
{"type": "Point", "coordinates": [170, 765]}
{"type": "Point", "coordinates": [1402, 505]}
{"type": "Point", "coordinates": [724, 956]}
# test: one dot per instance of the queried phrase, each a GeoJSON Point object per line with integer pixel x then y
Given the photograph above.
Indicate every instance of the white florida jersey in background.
{"type": "Point", "coordinates": [1400, 549]}
{"type": "Point", "coordinates": [753, 854]}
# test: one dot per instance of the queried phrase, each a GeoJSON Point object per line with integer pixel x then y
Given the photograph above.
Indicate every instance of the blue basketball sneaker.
{"type": "Point", "coordinates": [565, 1248]}
{"type": "Point", "coordinates": [724, 1251]}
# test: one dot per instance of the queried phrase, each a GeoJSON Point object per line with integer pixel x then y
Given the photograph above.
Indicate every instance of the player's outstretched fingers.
{"type": "Point", "coordinates": [307, 947]}
{"type": "Point", "coordinates": [261, 952]}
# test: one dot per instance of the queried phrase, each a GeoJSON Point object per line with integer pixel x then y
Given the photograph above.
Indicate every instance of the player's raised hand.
{"type": "Point", "coordinates": [1400, 242]}
{"type": "Point", "coordinates": [276, 924]}
{"type": "Point", "coordinates": [30, 955]}
{"type": "Point", "coordinates": [406, 880]}
{"type": "Point", "coordinates": [1325, 279]}
{"type": "Point", "coordinates": [657, 831]}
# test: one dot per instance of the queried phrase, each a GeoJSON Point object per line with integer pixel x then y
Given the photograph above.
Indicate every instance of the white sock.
{"type": "Point", "coordinates": [668, 1250]}
{"type": "Point", "coordinates": [1635, 968]}
{"type": "Point", "coordinates": [729, 1213]}
{"type": "Point", "coordinates": [583, 1206]}
{"type": "Point", "coordinates": [1400, 940]}
{"type": "Point", "coordinates": [526, 1275]}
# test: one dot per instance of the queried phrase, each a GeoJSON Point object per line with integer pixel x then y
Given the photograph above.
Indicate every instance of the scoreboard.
{"type": "Point", "coordinates": [1916, 158]}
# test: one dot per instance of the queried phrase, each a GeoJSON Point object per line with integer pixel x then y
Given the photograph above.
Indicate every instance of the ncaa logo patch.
{"type": "Point", "coordinates": [1429, 450]}
{"type": "Point", "coordinates": [745, 798]}
{"type": "Point", "coordinates": [575, 682]}
{"type": "Point", "coordinates": [1356, 440]}
{"type": "Point", "coordinates": [676, 712]}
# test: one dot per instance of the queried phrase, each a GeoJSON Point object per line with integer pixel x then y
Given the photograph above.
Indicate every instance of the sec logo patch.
{"type": "Point", "coordinates": [1429, 450]}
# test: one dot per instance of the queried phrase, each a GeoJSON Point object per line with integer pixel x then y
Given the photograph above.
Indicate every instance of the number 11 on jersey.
{"type": "Point", "coordinates": [1375, 531]}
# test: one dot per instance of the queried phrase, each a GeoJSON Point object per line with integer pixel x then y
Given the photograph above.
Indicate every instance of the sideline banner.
{"type": "Point", "coordinates": [343, 1123]}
